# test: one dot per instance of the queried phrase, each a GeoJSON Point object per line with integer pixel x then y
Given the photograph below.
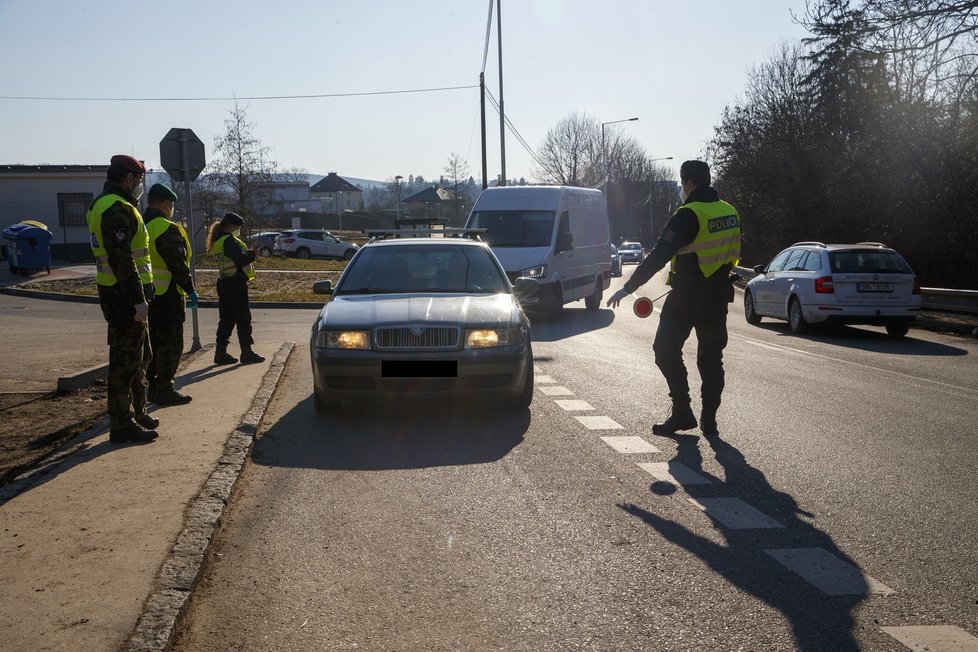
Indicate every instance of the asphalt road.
{"type": "Point", "coordinates": [838, 503]}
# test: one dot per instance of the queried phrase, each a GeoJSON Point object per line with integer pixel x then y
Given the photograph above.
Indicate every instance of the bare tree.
{"type": "Point", "coordinates": [457, 170]}
{"type": "Point", "coordinates": [243, 167]}
{"type": "Point", "coordinates": [570, 154]}
{"type": "Point", "coordinates": [294, 175]}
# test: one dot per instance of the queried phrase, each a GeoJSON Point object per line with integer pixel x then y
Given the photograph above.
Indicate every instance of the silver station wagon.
{"type": "Point", "coordinates": [432, 317]}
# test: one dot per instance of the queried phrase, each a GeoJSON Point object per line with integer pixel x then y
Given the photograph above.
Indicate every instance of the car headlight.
{"type": "Point", "coordinates": [480, 338]}
{"type": "Point", "coordinates": [539, 271]}
{"type": "Point", "coordinates": [343, 340]}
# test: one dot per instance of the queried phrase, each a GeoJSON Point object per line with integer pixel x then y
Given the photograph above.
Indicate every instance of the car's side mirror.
{"type": "Point", "coordinates": [524, 287]}
{"type": "Point", "coordinates": [759, 269]}
{"type": "Point", "coordinates": [565, 242]}
{"type": "Point", "coordinates": [322, 287]}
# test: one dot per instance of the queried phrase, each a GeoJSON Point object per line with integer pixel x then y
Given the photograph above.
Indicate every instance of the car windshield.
{"type": "Point", "coordinates": [515, 228]}
{"type": "Point", "coordinates": [434, 268]}
{"type": "Point", "coordinates": [630, 246]}
{"type": "Point", "coordinates": [868, 262]}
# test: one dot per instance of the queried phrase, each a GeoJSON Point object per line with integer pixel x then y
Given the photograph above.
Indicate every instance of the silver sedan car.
{"type": "Point", "coordinates": [431, 317]}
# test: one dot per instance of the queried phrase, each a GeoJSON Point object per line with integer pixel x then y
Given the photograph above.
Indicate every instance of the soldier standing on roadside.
{"type": "Point", "coordinates": [170, 252]}
{"type": "Point", "coordinates": [124, 275]}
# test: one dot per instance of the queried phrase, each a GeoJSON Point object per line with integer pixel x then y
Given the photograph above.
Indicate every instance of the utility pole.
{"type": "Point", "coordinates": [502, 111]}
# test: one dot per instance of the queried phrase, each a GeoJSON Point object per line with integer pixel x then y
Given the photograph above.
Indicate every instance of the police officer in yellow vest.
{"type": "Point", "coordinates": [702, 241]}
{"type": "Point", "coordinates": [235, 270]}
{"type": "Point", "coordinates": [170, 252]}
{"type": "Point", "coordinates": [124, 275]}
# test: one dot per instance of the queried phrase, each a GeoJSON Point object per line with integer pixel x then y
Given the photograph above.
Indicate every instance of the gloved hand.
{"type": "Point", "coordinates": [142, 311]}
{"type": "Point", "coordinates": [192, 299]}
{"type": "Point", "coordinates": [617, 297]}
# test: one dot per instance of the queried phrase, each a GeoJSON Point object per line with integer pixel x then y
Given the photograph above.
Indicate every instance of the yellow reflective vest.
{"type": "Point", "coordinates": [227, 267]}
{"type": "Point", "coordinates": [718, 241]}
{"type": "Point", "coordinates": [162, 276]}
{"type": "Point", "coordinates": [139, 245]}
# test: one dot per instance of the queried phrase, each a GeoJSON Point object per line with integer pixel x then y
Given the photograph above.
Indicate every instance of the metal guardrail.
{"type": "Point", "coordinates": [943, 299]}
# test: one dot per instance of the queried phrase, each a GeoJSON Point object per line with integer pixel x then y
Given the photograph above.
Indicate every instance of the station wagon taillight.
{"type": "Point", "coordinates": [288, 240]}
{"type": "Point", "coordinates": [824, 285]}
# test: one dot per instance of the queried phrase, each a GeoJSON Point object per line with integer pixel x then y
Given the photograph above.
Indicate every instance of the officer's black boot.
{"type": "Point", "coordinates": [147, 421]}
{"type": "Point", "coordinates": [681, 418]}
{"type": "Point", "coordinates": [171, 397]}
{"type": "Point", "coordinates": [132, 432]}
{"type": "Point", "coordinates": [708, 423]}
{"type": "Point", "coordinates": [221, 355]}
{"type": "Point", "coordinates": [250, 357]}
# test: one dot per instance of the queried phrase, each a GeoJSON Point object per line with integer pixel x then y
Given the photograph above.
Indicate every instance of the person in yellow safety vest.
{"type": "Point", "coordinates": [702, 243]}
{"type": "Point", "coordinates": [123, 272]}
{"type": "Point", "coordinates": [170, 252]}
{"type": "Point", "coordinates": [235, 270]}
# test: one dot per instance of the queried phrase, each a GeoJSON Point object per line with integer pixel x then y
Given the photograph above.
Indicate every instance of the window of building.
{"type": "Point", "coordinates": [72, 207]}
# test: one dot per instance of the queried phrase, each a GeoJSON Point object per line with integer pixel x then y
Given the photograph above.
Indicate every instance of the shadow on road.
{"type": "Point", "coordinates": [819, 621]}
{"type": "Point", "coordinates": [571, 322]}
{"type": "Point", "coordinates": [391, 436]}
{"type": "Point", "coordinates": [852, 337]}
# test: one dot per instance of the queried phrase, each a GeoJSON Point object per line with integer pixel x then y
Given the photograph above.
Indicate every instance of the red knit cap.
{"type": "Point", "coordinates": [127, 163]}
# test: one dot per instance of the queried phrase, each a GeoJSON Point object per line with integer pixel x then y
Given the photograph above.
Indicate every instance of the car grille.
{"type": "Point", "coordinates": [418, 337]}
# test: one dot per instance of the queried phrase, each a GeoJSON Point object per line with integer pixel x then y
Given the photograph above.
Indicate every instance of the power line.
{"type": "Point", "coordinates": [226, 99]}
{"type": "Point", "coordinates": [514, 131]}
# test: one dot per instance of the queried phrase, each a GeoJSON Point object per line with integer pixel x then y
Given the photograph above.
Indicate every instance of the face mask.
{"type": "Point", "coordinates": [137, 190]}
{"type": "Point", "coordinates": [683, 195]}
{"type": "Point", "coordinates": [236, 233]}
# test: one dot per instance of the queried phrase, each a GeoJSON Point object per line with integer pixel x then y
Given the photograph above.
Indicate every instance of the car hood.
{"type": "Point", "coordinates": [368, 311]}
{"type": "Point", "coordinates": [516, 259]}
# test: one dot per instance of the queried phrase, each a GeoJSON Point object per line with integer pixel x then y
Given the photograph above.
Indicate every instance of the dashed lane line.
{"type": "Point", "coordinates": [544, 380]}
{"type": "Point", "coordinates": [600, 423]}
{"type": "Point", "coordinates": [555, 390]}
{"type": "Point", "coordinates": [630, 445]}
{"type": "Point", "coordinates": [934, 638]}
{"type": "Point", "coordinates": [673, 472]}
{"type": "Point", "coordinates": [827, 572]}
{"type": "Point", "coordinates": [574, 405]}
{"type": "Point", "coordinates": [734, 513]}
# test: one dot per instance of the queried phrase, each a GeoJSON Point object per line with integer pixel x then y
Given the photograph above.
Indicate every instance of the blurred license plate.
{"type": "Point", "coordinates": [874, 287]}
{"type": "Point", "coordinates": [419, 368]}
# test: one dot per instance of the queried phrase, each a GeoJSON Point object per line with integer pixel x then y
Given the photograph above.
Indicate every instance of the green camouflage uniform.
{"type": "Point", "coordinates": [168, 312]}
{"type": "Point", "coordinates": [128, 340]}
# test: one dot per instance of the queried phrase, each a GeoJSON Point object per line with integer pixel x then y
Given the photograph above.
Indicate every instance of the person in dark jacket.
{"type": "Point", "coordinates": [702, 242]}
{"type": "Point", "coordinates": [235, 270]}
{"type": "Point", "coordinates": [170, 252]}
{"type": "Point", "coordinates": [124, 274]}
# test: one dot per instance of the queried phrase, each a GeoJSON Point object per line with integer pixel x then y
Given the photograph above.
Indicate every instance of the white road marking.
{"type": "Point", "coordinates": [571, 404]}
{"type": "Point", "coordinates": [765, 346]}
{"type": "Point", "coordinates": [934, 638]}
{"type": "Point", "coordinates": [734, 513]}
{"type": "Point", "coordinates": [967, 391]}
{"type": "Point", "coordinates": [673, 472]}
{"type": "Point", "coordinates": [827, 572]}
{"type": "Point", "coordinates": [555, 390]}
{"type": "Point", "coordinates": [544, 380]}
{"type": "Point", "coordinates": [630, 445]}
{"type": "Point", "coordinates": [600, 423]}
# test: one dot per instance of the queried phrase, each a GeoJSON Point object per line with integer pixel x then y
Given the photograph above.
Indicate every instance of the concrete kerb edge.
{"type": "Point", "coordinates": [182, 568]}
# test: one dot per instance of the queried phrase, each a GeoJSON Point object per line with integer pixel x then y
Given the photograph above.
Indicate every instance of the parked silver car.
{"type": "Point", "coordinates": [424, 317]}
{"type": "Point", "coordinates": [314, 243]}
{"type": "Point", "coordinates": [811, 282]}
{"type": "Point", "coordinates": [631, 252]}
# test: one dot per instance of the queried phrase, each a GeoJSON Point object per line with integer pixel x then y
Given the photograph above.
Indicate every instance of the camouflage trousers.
{"type": "Point", "coordinates": [129, 355]}
{"type": "Point", "coordinates": [166, 319]}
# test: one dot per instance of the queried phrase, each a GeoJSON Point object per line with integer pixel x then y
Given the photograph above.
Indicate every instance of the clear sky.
{"type": "Point", "coordinates": [674, 65]}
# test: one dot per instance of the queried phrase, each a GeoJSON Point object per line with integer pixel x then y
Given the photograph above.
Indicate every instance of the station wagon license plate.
{"type": "Point", "coordinates": [419, 369]}
{"type": "Point", "coordinates": [874, 287]}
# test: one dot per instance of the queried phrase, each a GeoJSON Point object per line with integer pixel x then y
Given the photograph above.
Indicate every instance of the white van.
{"type": "Point", "coordinates": [557, 235]}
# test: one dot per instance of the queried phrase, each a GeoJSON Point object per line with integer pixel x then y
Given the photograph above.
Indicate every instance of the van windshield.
{"type": "Point", "coordinates": [515, 228]}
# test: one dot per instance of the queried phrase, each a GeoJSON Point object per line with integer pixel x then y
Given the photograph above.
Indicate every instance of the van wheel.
{"type": "Point", "coordinates": [796, 319]}
{"type": "Point", "coordinates": [555, 302]}
{"type": "Point", "coordinates": [897, 330]}
{"type": "Point", "coordinates": [593, 302]}
{"type": "Point", "coordinates": [302, 253]}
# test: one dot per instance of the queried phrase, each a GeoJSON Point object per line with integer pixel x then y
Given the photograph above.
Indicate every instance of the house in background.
{"type": "Point", "coordinates": [58, 196]}
{"type": "Point", "coordinates": [335, 195]}
{"type": "Point", "coordinates": [286, 197]}
{"type": "Point", "coordinates": [428, 203]}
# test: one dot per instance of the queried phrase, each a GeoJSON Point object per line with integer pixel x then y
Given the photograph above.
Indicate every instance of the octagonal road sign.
{"type": "Point", "coordinates": [182, 154]}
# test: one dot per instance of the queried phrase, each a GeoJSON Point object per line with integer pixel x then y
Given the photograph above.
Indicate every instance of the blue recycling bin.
{"type": "Point", "coordinates": [28, 248]}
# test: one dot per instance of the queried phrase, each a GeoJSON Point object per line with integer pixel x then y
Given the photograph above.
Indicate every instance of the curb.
{"type": "Point", "coordinates": [80, 298]}
{"type": "Point", "coordinates": [184, 565]}
{"type": "Point", "coordinates": [82, 379]}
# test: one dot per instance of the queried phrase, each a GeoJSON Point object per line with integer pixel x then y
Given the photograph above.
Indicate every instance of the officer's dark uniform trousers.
{"type": "Point", "coordinates": [167, 314]}
{"type": "Point", "coordinates": [129, 355]}
{"type": "Point", "coordinates": [703, 308]}
{"type": "Point", "coordinates": [234, 309]}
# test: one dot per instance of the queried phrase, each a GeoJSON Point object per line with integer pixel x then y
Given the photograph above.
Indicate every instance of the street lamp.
{"type": "Point", "coordinates": [397, 183]}
{"type": "Point", "coordinates": [604, 154]}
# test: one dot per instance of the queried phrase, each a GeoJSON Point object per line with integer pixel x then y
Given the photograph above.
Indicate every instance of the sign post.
{"type": "Point", "coordinates": [182, 156]}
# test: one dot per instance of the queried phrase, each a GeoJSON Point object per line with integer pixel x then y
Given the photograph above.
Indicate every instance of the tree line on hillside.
{"type": "Point", "coordinates": [866, 131]}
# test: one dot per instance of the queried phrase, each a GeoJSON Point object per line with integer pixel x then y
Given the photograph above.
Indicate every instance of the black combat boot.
{"type": "Point", "coordinates": [250, 357]}
{"type": "Point", "coordinates": [171, 397]}
{"type": "Point", "coordinates": [708, 423]}
{"type": "Point", "coordinates": [221, 355]}
{"type": "Point", "coordinates": [146, 421]}
{"type": "Point", "coordinates": [132, 432]}
{"type": "Point", "coordinates": [681, 418]}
